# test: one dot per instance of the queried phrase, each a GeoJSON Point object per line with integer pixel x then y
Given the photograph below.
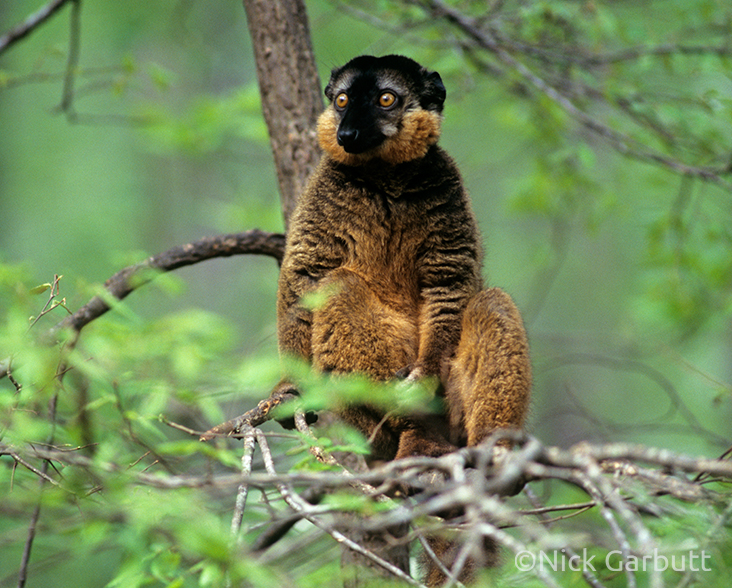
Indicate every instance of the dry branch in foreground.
{"type": "Point", "coordinates": [625, 483]}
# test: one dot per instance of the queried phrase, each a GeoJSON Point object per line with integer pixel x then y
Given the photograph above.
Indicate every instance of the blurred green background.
{"type": "Point", "coordinates": [623, 269]}
{"type": "Point", "coordinates": [169, 146]}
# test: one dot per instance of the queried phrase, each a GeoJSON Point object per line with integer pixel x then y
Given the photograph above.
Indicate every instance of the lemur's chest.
{"type": "Point", "coordinates": [383, 234]}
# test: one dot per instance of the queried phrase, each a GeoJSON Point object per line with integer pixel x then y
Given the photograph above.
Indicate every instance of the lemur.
{"type": "Point", "coordinates": [385, 229]}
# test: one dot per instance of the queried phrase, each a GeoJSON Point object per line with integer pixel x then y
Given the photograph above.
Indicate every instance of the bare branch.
{"type": "Point", "coordinates": [600, 470]}
{"type": "Point", "coordinates": [31, 24]}
{"type": "Point", "coordinates": [620, 141]}
{"type": "Point", "coordinates": [72, 61]}
{"type": "Point", "coordinates": [20, 460]}
{"type": "Point", "coordinates": [42, 480]}
{"type": "Point", "coordinates": [633, 53]}
{"type": "Point", "coordinates": [252, 418]}
{"type": "Point", "coordinates": [638, 367]}
{"type": "Point", "coordinates": [323, 457]}
{"type": "Point", "coordinates": [299, 505]}
{"type": "Point", "coordinates": [125, 281]}
{"type": "Point", "coordinates": [130, 278]}
{"type": "Point", "coordinates": [587, 574]}
{"type": "Point", "coordinates": [549, 463]}
{"type": "Point", "coordinates": [243, 491]}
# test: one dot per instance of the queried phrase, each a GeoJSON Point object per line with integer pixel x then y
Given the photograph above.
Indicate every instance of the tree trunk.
{"type": "Point", "coordinates": [388, 544]}
{"type": "Point", "coordinates": [291, 103]}
{"type": "Point", "coordinates": [290, 90]}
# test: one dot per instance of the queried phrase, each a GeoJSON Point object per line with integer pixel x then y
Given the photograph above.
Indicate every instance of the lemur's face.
{"type": "Point", "coordinates": [381, 107]}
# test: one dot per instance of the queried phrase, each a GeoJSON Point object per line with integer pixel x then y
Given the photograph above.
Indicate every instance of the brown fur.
{"type": "Point", "coordinates": [447, 551]}
{"type": "Point", "coordinates": [390, 236]}
{"type": "Point", "coordinates": [420, 130]}
{"type": "Point", "coordinates": [489, 379]}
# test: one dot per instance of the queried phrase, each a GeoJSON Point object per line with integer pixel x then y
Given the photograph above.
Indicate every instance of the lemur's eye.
{"type": "Point", "coordinates": [341, 101]}
{"type": "Point", "coordinates": [387, 100]}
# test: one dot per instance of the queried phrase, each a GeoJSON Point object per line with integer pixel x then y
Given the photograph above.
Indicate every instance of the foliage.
{"type": "Point", "coordinates": [595, 138]}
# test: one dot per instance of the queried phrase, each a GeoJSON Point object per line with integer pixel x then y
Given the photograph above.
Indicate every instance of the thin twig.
{"type": "Point", "coordinates": [430, 553]}
{"type": "Point", "coordinates": [35, 517]}
{"type": "Point", "coordinates": [297, 504]}
{"type": "Point", "coordinates": [552, 463]}
{"type": "Point", "coordinates": [72, 61]}
{"type": "Point", "coordinates": [587, 574]}
{"type": "Point", "coordinates": [621, 142]}
{"type": "Point", "coordinates": [317, 450]}
{"type": "Point", "coordinates": [252, 418]}
{"type": "Point", "coordinates": [40, 473]}
{"type": "Point", "coordinates": [243, 490]}
{"type": "Point", "coordinates": [31, 24]}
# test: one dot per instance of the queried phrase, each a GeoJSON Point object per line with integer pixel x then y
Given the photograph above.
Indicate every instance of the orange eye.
{"type": "Point", "coordinates": [341, 101]}
{"type": "Point", "coordinates": [387, 99]}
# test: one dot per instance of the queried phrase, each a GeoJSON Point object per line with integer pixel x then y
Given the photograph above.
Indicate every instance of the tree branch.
{"type": "Point", "coordinates": [31, 24]}
{"type": "Point", "coordinates": [621, 142]}
{"type": "Point", "coordinates": [548, 463]}
{"type": "Point", "coordinates": [72, 62]}
{"type": "Point", "coordinates": [239, 426]}
{"type": "Point", "coordinates": [130, 278]}
{"type": "Point", "coordinates": [299, 505]}
{"type": "Point", "coordinates": [290, 90]}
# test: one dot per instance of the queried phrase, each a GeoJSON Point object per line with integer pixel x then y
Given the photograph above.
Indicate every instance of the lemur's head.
{"type": "Point", "coordinates": [388, 108]}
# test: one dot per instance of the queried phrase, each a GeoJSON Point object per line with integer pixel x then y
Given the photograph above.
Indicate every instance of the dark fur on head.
{"type": "Point", "coordinates": [360, 128]}
{"type": "Point", "coordinates": [423, 84]}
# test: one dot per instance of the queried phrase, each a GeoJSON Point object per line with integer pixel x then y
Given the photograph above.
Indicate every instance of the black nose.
{"type": "Point", "coordinates": [347, 137]}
